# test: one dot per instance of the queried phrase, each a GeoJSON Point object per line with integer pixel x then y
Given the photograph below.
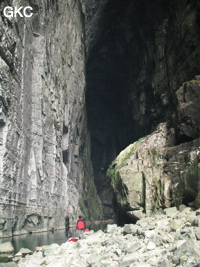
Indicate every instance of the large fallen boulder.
{"type": "Point", "coordinates": [162, 169]}
{"type": "Point", "coordinates": [151, 174]}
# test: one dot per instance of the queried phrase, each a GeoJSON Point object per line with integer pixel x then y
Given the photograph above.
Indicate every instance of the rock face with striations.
{"type": "Point", "coordinates": [154, 172]}
{"type": "Point", "coordinates": [45, 171]}
{"type": "Point", "coordinates": [117, 67]}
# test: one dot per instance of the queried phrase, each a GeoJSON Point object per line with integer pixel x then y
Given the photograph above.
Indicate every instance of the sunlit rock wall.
{"type": "Point", "coordinates": [45, 174]}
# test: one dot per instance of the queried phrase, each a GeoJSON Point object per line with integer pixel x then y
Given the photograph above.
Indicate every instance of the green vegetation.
{"type": "Point", "coordinates": [121, 160]}
{"type": "Point", "coordinates": [4, 259]}
{"type": "Point", "coordinates": [89, 203]}
{"type": "Point", "coordinates": [153, 154]}
{"type": "Point", "coordinates": [113, 171]}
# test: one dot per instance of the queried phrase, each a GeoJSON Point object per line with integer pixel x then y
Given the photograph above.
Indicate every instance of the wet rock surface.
{"type": "Point", "coordinates": [170, 238]}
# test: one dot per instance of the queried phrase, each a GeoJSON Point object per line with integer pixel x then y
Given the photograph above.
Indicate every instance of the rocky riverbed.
{"type": "Point", "coordinates": [170, 238]}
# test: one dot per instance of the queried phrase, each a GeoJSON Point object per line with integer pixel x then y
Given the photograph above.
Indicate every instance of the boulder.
{"type": "Point", "coordinates": [9, 264]}
{"type": "Point", "coordinates": [129, 259]}
{"type": "Point", "coordinates": [128, 228]}
{"type": "Point", "coordinates": [164, 263]}
{"type": "Point", "coordinates": [153, 172]}
{"type": "Point", "coordinates": [111, 228]}
{"type": "Point", "coordinates": [6, 248]}
{"type": "Point", "coordinates": [23, 252]}
{"type": "Point", "coordinates": [189, 248]}
{"type": "Point", "coordinates": [170, 211]}
{"type": "Point", "coordinates": [134, 247]}
{"type": "Point", "coordinates": [151, 246]}
{"type": "Point", "coordinates": [196, 222]}
{"type": "Point", "coordinates": [50, 249]}
{"type": "Point", "coordinates": [176, 224]}
{"type": "Point", "coordinates": [197, 233]}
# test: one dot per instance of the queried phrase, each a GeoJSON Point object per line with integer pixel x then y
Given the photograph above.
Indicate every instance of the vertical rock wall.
{"type": "Point", "coordinates": [44, 151]}
{"type": "Point", "coordinates": [162, 41]}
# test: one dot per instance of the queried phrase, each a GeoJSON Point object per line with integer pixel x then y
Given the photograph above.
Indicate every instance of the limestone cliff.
{"type": "Point", "coordinates": [44, 152]}
{"type": "Point", "coordinates": [82, 80]}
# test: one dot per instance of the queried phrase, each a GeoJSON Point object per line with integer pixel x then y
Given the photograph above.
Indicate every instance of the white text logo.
{"type": "Point", "coordinates": [11, 12]}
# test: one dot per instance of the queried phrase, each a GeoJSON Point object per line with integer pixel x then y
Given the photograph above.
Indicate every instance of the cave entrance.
{"type": "Point", "coordinates": [133, 69]}
{"type": "Point", "coordinates": [107, 101]}
{"type": "Point", "coordinates": [119, 95]}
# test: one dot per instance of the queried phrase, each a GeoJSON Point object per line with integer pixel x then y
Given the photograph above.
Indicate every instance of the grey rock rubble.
{"type": "Point", "coordinates": [171, 238]}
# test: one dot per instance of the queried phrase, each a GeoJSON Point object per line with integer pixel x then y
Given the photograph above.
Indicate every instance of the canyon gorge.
{"type": "Point", "coordinates": [99, 111]}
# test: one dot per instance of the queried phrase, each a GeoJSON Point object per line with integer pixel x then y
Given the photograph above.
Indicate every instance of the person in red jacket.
{"type": "Point", "coordinates": [80, 226]}
{"type": "Point", "coordinates": [80, 223]}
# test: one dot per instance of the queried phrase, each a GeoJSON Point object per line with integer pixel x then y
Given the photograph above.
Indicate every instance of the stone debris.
{"type": "Point", "coordinates": [167, 239]}
{"type": "Point", "coordinates": [24, 252]}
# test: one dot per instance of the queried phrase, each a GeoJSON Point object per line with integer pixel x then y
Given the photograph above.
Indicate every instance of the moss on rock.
{"type": "Point", "coordinates": [151, 175]}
